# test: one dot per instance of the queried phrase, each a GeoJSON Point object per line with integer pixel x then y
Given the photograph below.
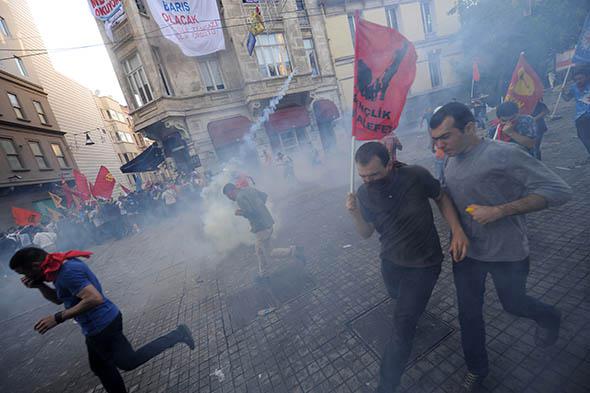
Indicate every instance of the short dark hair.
{"type": "Point", "coordinates": [460, 113]}
{"type": "Point", "coordinates": [229, 187]}
{"type": "Point", "coordinates": [25, 257]}
{"type": "Point", "coordinates": [366, 152]}
{"type": "Point", "coordinates": [507, 109]}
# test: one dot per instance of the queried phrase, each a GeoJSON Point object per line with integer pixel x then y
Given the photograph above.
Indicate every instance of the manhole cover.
{"type": "Point", "coordinates": [283, 285]}
{"type": "Point", "coordinates": [375, 327]}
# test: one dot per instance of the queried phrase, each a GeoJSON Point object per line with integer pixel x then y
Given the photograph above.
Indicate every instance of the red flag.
{"type": "Point", "coordinates": [104, 184]}
{"type": "Point", "coordinates": [25, 217]}
{"type": "Point", "coordinates": [125, 189]}
{"type": "Point", "coordinates": [384, 70]}
{"type": "Point", "coordinates": [82, 185]}
{"type": "Point", "coordinates": [525, 87]}
{"type": "Point", "coordinates": [475, 72]}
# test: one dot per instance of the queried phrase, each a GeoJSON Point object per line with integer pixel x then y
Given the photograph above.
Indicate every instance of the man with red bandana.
{"type": "Point", "coordinates": [78, 289]}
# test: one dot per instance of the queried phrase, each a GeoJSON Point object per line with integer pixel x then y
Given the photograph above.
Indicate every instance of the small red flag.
{"type": "Point", "coordinates": [24, 217]}
{"type": "Point", "coordinates": [104, 184]}
{"type": "Point", "coordinates": [475, 71]}
{"type": "Point", "coordinates": [525, 87]}
{"type": "Point", "coordinates": [384, 70]}
{"type": "Point", "coordinates": [82, 185]}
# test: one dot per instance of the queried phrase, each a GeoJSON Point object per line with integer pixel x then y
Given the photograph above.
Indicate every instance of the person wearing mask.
{"type": "Point", "coordinates": [580, 91]}
{"type": "Point", "coordinates": [78, 289]}
{"type": "Point", "coordinates": [514, 128]}
{"type": "Point", "coordinates": [494, 185]}
{"type": "Point", "coordinates": [394, 200]}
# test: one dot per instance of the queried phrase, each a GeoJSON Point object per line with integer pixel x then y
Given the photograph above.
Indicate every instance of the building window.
{"type": "Point", "coordinates": [40, 112]}
{"type": "Point", "coordinates": [11, 154]}
{"type": "Point", "coordinates": [212, 74]}
{"type": "Point", "coordinates": [311, 57]}
{"type": "Point", "coordinates": [162, 72]}
{"type": "Point", "coordinates": [4, 27]}
{"type": "Point", "coordinates": [427, 21]}
{"type": "Point", "coordinates": [18, 109]}
{"type": "Point", "coordinates": [272, 55]}
{"type": "Point", "coordinates": [39, 156]}
{"type": "Point", "coordinates": [392, 17]}
{"type": "Point", "coordinates": [434, 68]}
{"type": "Point", "coordinates": [352, 26]}
{"type": "Point", "coordinates": [59, 154]}
{"type": "Point", "coordinates": [20, 66]}
{"type": "Point", "coordinates": [124, 137]}
{"type": "Point", "coordinates": [294, 139]}
{"type": "Point", "coordinates": [141, 7]}
{"type": "Point", "coordinates": [138, 82]}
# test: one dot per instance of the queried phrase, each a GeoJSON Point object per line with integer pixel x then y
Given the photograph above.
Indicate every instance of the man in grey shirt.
{"type": "Point", "coordinates": [493, 184]}
{"type": "Point", "coordinates": [252, 206]}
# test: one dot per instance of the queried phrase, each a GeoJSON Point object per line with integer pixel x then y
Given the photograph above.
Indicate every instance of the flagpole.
{"type": "Point", "coordinates": [472, 85]}
{"type": "Point", "coordinates": [567, 73]}
{"type": "Point", "coordinates": [352, 140]}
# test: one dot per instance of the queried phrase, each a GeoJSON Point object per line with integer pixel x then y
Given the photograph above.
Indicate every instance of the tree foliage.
{"type": "Point", "coordinates": [494, 32]}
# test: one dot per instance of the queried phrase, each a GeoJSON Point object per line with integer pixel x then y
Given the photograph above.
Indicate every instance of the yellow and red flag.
{"type": "Point", "coordinates": [82, 185]}
{"type": "Point", "coordinates": [525, 87]}
{"type": "Point", "coordinates": [104, 184]}
{"type": "Point", "coordinates": [57, 200]}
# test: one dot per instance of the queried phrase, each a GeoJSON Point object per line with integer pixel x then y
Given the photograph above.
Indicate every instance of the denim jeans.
{"type": "Point", "coordinates": [510, 282]}
{"type": "Point", "coordinates": [412, 288]}
{"type": "Point", "coordinates": [110, 349]}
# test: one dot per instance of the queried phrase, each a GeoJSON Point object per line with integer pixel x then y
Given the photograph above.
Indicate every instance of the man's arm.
{"type": "Point", "coordinates": [364, 228]}
{"type": "Point", "coordinates": [459, 241]}
{"type": "Point", "coordinates": [89, 298]}
{"type": "Point", "coordinates": [47, 292]}
{"type": "Point", "coordinates": [526, 141]}
{"type": "Point", "coordinates": [529, 204]}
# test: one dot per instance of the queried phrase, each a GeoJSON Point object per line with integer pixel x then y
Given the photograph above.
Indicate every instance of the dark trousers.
{"type": "Point", "coordinates": [538, 141]}
{"type": "Point", "coordinates": [510, 282]}
{"type": "Point", "coordinates": [412, 288]}
{"type": "Point", "coordinates": [583, 126]}
{"type": "Point", "coordinates": [110, 349]}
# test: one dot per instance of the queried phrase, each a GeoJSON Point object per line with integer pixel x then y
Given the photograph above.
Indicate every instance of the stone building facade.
{"type": "Point", "coordinates": [201, 109]}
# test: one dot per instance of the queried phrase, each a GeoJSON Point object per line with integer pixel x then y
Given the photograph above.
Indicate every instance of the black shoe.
{"type": "Point", "coordinates": [299, 255]}
{"type": "Point", "coordinates": [186, 336]}
{"type": "Point", "coordinates": [547, 336]}
{"type": "Point", "coordinates": [472, 382]}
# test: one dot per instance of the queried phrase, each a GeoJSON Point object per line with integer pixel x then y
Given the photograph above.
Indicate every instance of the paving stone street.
{"type": "Point", "coordinates": [324, 327]}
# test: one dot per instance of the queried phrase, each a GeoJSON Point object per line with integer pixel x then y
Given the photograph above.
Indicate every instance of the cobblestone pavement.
{"type": "Point", "coordinates": [322, 336]}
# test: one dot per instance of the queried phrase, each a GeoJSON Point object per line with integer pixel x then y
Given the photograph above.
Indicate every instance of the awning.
{"type": "Point", "coordinates": [288, 118]}
{"type": "Point", "coordinates": [325, 111]}
{"type": "Point", "coordinates": [227, 131]}
{"type": "Point", "coordinates": [147, 161]}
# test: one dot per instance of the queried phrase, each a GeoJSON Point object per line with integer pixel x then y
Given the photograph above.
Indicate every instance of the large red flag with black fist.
{"type": "Point", "coordinates": [384, 70]}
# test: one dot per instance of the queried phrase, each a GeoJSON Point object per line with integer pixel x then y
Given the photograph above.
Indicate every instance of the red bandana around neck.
{"type": "Point", "coordinates": [53, 261]}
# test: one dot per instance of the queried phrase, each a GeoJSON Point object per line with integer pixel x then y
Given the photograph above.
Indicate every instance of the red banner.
{"type": "Point", "coordinates": [475, 72]}
{"type": "Point", "coordinates": [384, 70]}
{"type": "Point", "coordinates": [82, 185]}
{"type": "Point", "coordinates": [24, 217]}
{"type": "Point", "coordinates": [104, 184]}
{"type": "Point", "coordinates": [525, 87]}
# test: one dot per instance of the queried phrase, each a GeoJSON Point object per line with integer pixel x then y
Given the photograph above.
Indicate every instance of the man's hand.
{"type": "Point", "coordinates": [45, 324]}
{"type": "Point", "coordinates": [459, 245]}
{"type": "Point", "coordinates": [239, 212]}
{"type": "Point", "coordinates": [485, 214]}
{"type": "Point", "coordinates": [351, 204]}
{"type": "Point", "coordinates": [30, 283]}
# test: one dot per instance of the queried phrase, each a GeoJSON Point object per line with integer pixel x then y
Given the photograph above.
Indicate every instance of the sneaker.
{"type": "Point", "coordinates": [472, 382]}
{"type": "Point", "coordinates": [186, 336]}
{"type": "Point", "coordinates": [299, 255]}
{"type": "Point", "coordinates": [547, 336]}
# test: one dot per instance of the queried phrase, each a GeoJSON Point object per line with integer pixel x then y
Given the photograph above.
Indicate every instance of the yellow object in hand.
{"type": "Point", "coordinates": [470, 209]}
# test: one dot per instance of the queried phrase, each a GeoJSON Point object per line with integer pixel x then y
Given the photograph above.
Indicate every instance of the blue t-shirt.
{"type": "Point", "coordinates": [74, 276]}
{"type": "Point", "coordinates": [582, 99]}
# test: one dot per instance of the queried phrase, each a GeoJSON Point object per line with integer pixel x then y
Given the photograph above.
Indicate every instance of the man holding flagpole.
{"type": "Point", "coordinates": [394, 198]}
